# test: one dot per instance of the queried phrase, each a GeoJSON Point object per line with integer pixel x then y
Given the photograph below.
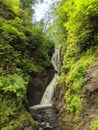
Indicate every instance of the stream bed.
{"type": "Point", "coordinates": [45, 115]}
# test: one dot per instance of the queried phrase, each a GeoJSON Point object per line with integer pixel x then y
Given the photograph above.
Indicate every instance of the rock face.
{"type": "Point", "coordinates": [89, 112]}
{"type": "Point", "coordinates": [91, 79]}
{"type": "Point", "coordinates": [38, 85]}
{"type": "Point", "coordinates": [45, 113]}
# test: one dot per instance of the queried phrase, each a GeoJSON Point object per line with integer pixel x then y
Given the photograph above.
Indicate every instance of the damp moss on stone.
{"type": "Point", "coordinates": [73, 77]}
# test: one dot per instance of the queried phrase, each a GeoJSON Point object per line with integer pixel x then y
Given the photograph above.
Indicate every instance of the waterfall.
{"type": "Point", "coordinates": [45, 112]}
{"type": "Point", "coordinates": [48, 95]}
{"type": "Point", "coordinates": [56, 60]}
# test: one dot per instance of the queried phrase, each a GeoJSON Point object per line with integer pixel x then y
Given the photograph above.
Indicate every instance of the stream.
{"type": "Point", "coordinates": [45, 113]}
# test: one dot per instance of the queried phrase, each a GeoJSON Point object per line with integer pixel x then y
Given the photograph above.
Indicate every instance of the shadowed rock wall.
{"type": "Point", "coordinates": [37, 86]}
{"type": "Point", "coordinates": [89, 112]}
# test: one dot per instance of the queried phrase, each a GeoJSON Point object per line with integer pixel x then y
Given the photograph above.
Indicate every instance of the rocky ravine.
{"type": "Point", "coordinates": [38, 85]}
{"type": "Point", "coordinates": [89, 112]}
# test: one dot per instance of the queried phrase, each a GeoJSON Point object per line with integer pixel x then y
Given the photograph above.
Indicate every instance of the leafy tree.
{"type": "Point", "coordinates": [76, 23]}
{"type": "Point", "coordinates": [24, 49]}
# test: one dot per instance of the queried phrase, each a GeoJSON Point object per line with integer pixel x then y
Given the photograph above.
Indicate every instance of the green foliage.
{"type": "Point", "coordinates": [15, 38]}
{"type": "Point", "coordinates": [78, 21]}
{"type": "Point", "coordinates": [10, 33]}
{"type": "Point", "coordinates": [78, 69]}
{"type": "Point", "coordinates": [13, 93]}
{"type": "Point", "coordinates": [94, 126]}
{"type": "Point", "coordinates": [10, 108]}
{"type": "Point", "coordinates": [12, 5]}
{"type": "Point", "coordinates": [26, 3]}
{"type": "Point", "coordinates": [24, 49]}
{"type": "Point", "coordinates": [73, 77]}
{"type": "Point", "coordinates": [13, 84]}
{"type": "Point", "coordinates": [79, 25]}
{"type": "Point", "coordinates": [73, 101]}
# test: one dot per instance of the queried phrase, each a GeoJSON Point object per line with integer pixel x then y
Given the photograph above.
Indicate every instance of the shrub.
{"type": "Point", "coordinates": [74, 77]}
{"type": "Point", "coordinates": [73, 101]}
{"type": "Point", "coordinates": [94, 126]}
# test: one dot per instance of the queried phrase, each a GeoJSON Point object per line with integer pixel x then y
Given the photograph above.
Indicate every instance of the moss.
{"type": "Point", "coordinates": [94, 126]}
{"type": "Point", "coordinates": [79, 21]}
{"type": "Point", "coordinates": [24, 50]}
{"type": "Point", "coordinates": [73, 101]}
{"type": "Point", "coordinates": [73, 71]}
{"type": "Point", "coordinates": [23, 120]}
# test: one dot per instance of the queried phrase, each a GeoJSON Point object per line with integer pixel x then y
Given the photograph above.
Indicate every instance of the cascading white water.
{"type": "Point", "coordinates": [56, 59]}
{"type": "Point", "coordinates": [45, 109]}
{"type": "Point", "coordinates": [48, 95]}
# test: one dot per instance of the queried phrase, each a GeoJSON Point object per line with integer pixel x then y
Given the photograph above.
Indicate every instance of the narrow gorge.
{"type": "Point", "coordinates": [48, 65]}
{"type": "Point", "coordinates": [45, 113]}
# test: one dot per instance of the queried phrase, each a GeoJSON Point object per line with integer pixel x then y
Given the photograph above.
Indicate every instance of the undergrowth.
{"type": "Point", "coordinates": [94, 126]}
{"type": "Point", "coordinates": [73, 71]}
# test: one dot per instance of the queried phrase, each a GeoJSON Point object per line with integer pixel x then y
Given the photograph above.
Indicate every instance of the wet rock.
{"type": "Point", "coordinates": [91, 79]}
{"type": "Point", "coordinates": [38, 85]}
{"type": "Point", "coordinates": [48, 116]}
